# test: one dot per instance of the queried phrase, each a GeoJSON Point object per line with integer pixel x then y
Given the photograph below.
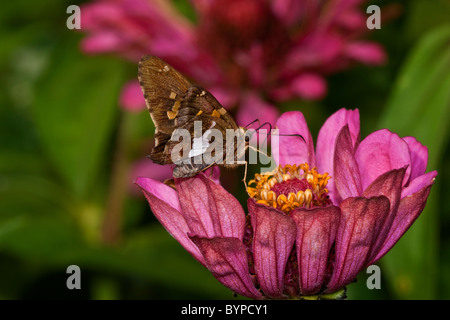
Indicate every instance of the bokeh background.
{"type": "Point", "coordinates": [70, 151]}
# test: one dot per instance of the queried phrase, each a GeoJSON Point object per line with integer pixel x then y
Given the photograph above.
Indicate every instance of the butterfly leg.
{"type": "Point", "coordinates": [211, 170]}
{"type": "Point", "coordinates": [245, 176]}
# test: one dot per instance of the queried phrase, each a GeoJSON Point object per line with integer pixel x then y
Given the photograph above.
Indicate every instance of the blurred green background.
{"type": "Point", "coordinates": [67, 149]}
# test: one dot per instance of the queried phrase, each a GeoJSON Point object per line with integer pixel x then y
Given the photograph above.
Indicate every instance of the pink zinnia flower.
{"type": "Point", "coordinates": [248, 53]}
{"type": "Point", "coordinates": [321, 217]}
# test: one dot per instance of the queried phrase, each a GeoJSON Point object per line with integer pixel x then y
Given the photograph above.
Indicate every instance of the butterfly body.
{"type": "Point", "coordinates": [174, 103]}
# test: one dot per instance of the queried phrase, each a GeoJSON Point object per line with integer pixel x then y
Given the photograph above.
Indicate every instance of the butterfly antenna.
{"type": "Point", "coordinates": [288, 135]}
{"type": "Point", "coordinates": [256, 120]}
{"type": "Point", "coordinates": [245, 177]}
{"type": "Point", "coordinates": [262, 125]}
{"type": "Point", "coordinates": [291, 135]}
{"type": "Point", "coordinates": [265, 123]}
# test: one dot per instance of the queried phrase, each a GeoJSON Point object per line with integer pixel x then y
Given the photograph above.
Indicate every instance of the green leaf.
{"type": "Point", "coordinates": [150, 256]}
{"type": "Point", "coordinates": [75, 109]}
{"type": "Point", "coordinates": [419, 106]}
{"type": "Point", "coordinates": [423, 16]}
{"type": "Point", "coordinates": [9, 226]}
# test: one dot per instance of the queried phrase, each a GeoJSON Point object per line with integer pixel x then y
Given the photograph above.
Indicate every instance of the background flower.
{"type": "Point", "coordinates": [271, 51]}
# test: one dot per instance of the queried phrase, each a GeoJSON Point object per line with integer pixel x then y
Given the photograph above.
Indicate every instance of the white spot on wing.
{"type": "Point", "coordinates": [200, 144]}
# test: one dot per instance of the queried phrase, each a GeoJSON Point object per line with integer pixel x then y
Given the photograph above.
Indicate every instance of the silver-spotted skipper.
{"type": "Point", "coordinates": [174, 103]}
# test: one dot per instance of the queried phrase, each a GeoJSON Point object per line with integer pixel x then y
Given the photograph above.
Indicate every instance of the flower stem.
{"type": "Point", "coordinates": [338, 295]}
{"type": "Point", "coordinates": [112, 222]}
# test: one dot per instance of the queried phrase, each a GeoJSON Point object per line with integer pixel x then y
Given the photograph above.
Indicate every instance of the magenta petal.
{"type": "Point", "coordinates": [346, 174]}
{"type": "Point", "coordinates": [273, 239]}
{"type": "Point", "coordinates": [253, 107]}
{"type": "Point", "coordinates": [164, 203]}
{"type": "Point", "coordinates": [288, 11]}
{"type": "Point", "coordinates": [366, 52]}
{"type": "Point", "coordinates": [316, 231]}
{"type": "Point", "coordinates": [131, 97]}
{"type": "Point", "coordinates": [419, 183]}
{"type": "Point", "coordinates": [359, 225]}
{"type": "Point", "coordinates": [380, 152]}
{"type": "Point", "coordinates": [226, 258]}
{"type": "Point", "coordinates": [209, 209]}
{"type": "Point", "coordinates": [326, 143]}
{"type": "Point", "coordinates": [149, 169]}
{"type": "Point", "coordinates": [227, 97]}
{"type": "Point", "coordinates": [389, 185]}
{"type": "Point", "coordinates": [159, 190]}
{"type": "Point", "coordinates": [102, 41]}
{"type": "Point", "coordinates": [293, 150]}
{"type": "Point", "coordinates": [409, 209]}
{"type": "Point", "coordinates": [419, 157]}
{"type": "Point", "coordinates": [97, 14]}
{"type": "Point", "coordinates": [213, 173]}
{"type": "Point", "coordinates": [309, 86]}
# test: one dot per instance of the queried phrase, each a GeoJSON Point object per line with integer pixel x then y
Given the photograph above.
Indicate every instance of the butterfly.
{"type": "Point", "coordinates": [174, 103]}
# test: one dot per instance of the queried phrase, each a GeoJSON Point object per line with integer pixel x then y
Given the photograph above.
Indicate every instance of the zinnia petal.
{"type": "Point", "coordinates": [316, 231]}
{"type": "Point", "coordinates": [149, 169]}
{"type": "Point", "coordinates": [419, 183]}
{"type": "Point", "coordinates": [293, 149]}
{"type": "Point", "coordinates": [409, 209]}
{"type": "Point", "coordinates": [226, 258]}
{"type": "Point", "coordinates": [419, 157]}
{"type": "Point", "coordinates": [359, 225]}
{"type": "Point", "coordinates": [164, 203]}
{"type": "Point", "coordinates": [273, 239]}
{"type": "Point", "coordinates": [389, 185]}
{"type": "Point", "coordinates": [209, 209]}
{"type": "Point", "coordinates": [326, 143]}
{"type": "Point", "coordinates": [159, 190]}
{"type": "Point", "coordinates": [347, 180]}
{"type": "Point", "coordinates": [380, 152]}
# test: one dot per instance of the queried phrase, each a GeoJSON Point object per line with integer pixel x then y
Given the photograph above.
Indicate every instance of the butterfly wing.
{"type": "Point", "coordinates": [164, 89]}
{"type": "Point", "coordinates": [173, 104]}
{"type": "Point", "coordinates": [194, 158]}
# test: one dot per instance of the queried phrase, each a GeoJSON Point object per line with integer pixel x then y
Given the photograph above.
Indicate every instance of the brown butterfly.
{"type": "Point", "coordinates": [174, 103]}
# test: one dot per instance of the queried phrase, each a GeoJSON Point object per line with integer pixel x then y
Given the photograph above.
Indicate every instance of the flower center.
{"type": "Point", "coordinates": [290, 187]}
{"type": "Point", "coordinates": [241, 19]}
